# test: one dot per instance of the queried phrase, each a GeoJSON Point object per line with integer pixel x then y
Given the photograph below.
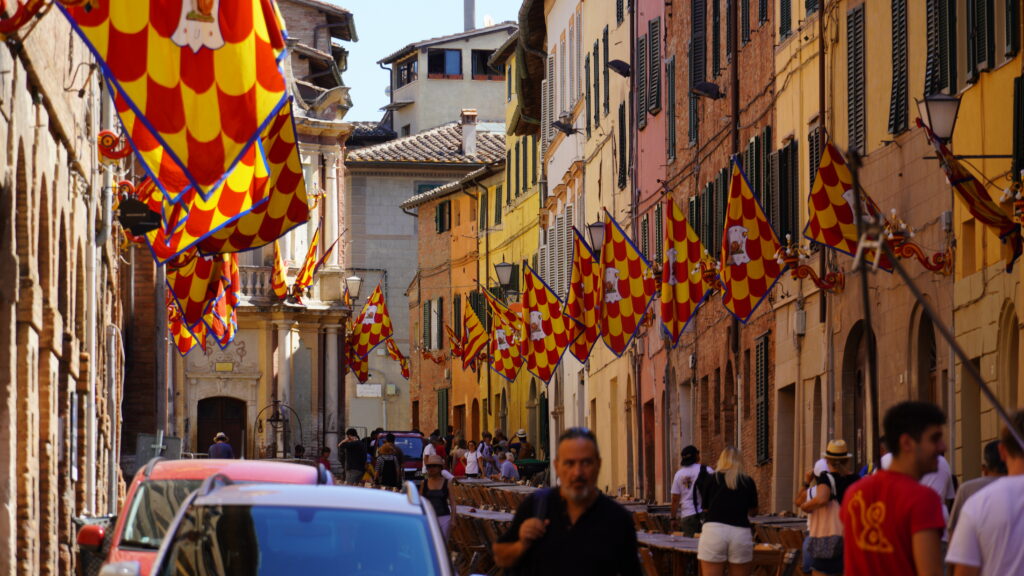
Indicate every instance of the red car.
{"type": "Point", "coordinates": [411, 444]}
{"type": "Point", "coordinates": [158, 490]}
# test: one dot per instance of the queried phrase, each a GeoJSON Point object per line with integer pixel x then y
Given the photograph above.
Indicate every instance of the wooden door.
{"type": "Point", "coordinates": [221, 414]}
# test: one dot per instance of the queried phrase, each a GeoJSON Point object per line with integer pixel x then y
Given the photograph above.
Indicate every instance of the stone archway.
{"type": "Point", "coordinates": [221, 414]}
{"type": "Point", "coordinates": [853, 416]}
{"type": "Point", "coordinates": [1008, 386]}
{"type": "Point", "coordinates": [924, 363]}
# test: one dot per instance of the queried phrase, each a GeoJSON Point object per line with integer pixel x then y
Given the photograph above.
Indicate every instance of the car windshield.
{"type": "Point", "coordinates": [235, 540]}
{"type": "Point", "coordinates": [411, 446]}
{"type": "Point", "coordinates": [152, 510]}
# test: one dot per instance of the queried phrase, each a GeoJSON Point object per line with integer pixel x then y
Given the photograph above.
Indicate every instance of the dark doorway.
{"type": "Point", "coordinates": [474, 424]}
{"type": "Point", "coordinates": [855, 393]}
{"type": "Point", "coordinates": [221, 414]}
{"type": "Point", "coordinates": [649, 450]}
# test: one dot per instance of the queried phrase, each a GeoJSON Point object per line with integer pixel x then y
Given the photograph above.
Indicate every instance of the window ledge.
{"type": "Point", "coordinates": [445, 76]}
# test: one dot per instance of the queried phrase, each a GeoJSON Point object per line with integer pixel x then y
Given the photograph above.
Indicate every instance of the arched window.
{"type": "Point", "coordinates": [1008, 387]}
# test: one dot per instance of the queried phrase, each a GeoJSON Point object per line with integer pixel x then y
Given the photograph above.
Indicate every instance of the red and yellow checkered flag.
{"type": "Point", "coordinates": [221, 317]}
{"type": "Point", "coordinates": [582, 303]}
{"type": "Point", "coordinates": [184, 340]}
{"type": "Point", "coordinates": [474, 338]}
{"type": "Point", "coordinates": [831, 218]}
{"type": "Point", "coordinates": [546, 329]}
{"type": "Point", "coordinates": [395, 354]}
{"type": "Point", "coordinates": [360, 366]}
{"type": "Point", "coordinates": [193, 281]}
{"type": "Point", "coordinates": [305, 276]}
{"type": "Point", "coordinates": [262, 198]}
{"type": "Point", "coordinates": [506, 357]}
{"type": "Point", "coordinates": [279, 278]}
{"type": "Point", "coordinates": [454, 342]}
{"type": "Point", "coordinates": [749, 267]}
{"type": "Point", "coordinates": [372, 326]}
{"type": "Point", "coordinates": [683, 288]}
{"type": "Point", "coordinates": [627, 287]}
{"type": "Point", "coordinates": [197, 81]}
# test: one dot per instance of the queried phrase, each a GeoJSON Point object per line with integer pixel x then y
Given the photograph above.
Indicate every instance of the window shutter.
{"type": "Point", "coordinates": [597, 84]}
{"type": "Point", "coordinates": [586, 72]}
{"type": "Point", "coordinates": [761, 399]}
{"type": "Point", "coordinates": [855, 79]}
{"type": "Point", "coordinates": [483, 211]}
{"type": "Point", "coordinates": [559, 253]}
{"type": "Point", "coordinates": [654, 67]}
{"type": "Point", "coordinates": [641, 82]}
{"type": "Point", "coordinates": [620, 12]}
{"type": "Point", "coordinates": [898, 100]}
{"type": "Point", "coordinates": [765, 151]}
{"type": "Point", "coordinates": [426, 325]}
{"type": "Point", "coordinates": [567, 243]}
{"type": "Point", "coordinates": [933, 67]}
{"type": "Point", "coordinates": [604, 68]}
{"type": "Point", "coordinates": [545, 118]}
{"type": "Point", "coordinates": [533, 158]}
{"type": "Point", "coordinates": [525, 168]}
{"type": "Point", "coordinates": [552, 112]}
{"type": "Point", "coordinates": [622, 146]}
{"type": "Point", "coordinates": [762, 11]}
{"type": "Point", "coordinates": [771, 204]}
{"type": "Point", "coordinates": [692, 215]}
{"type": "Point", "coordinates": [670, 105]}
{"type": "Point", "coordinates": [509, 167]}
{"type": "Point", "coordinates": [659, 231]}
{"type": "Point", "coordinates": [723, 200]}
{"type": "Point", "coordinates": [811, 5]}
{"type": "Point", "coordinates": [716, 38]}
{"type": "Point", "coordinates": [578, 54]}
{"type": "Point", "coordinates": [497, 205]}
{"type": "Point", "coordinates": [791, 200]}
{"type": "Point", "coordinates": [1018, 128]}
{"type": "Point", "coordinates": [745, 21]}
{"type": "Point", "coordinates": [785, 18]}
{"type": "Point", "coordinates": [457, 314]}
{"type": "Point", "coordinates": [437, 218]}
{"type": "Point", "coordinates": [728, 29]}
{"type": "Point", "coordinates": [645, 237]}
{"type": "Point", "coordinates": [813, 154]}
{"type": "Point", "coordinates": [698, 47]}
{"type": "Point", "coordinates": [439, 325]}
{"type": "Point", "coordinates": [981, 43]}
{"type": "Point", "coordinates": [1012, 22]}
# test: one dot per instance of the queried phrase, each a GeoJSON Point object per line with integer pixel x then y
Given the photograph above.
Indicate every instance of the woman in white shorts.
{"type": "Point", "coordinates": [729, 497]}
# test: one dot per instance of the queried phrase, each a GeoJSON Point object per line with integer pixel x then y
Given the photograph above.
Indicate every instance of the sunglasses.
{"type": "Point", "coordinates": [434, 466]}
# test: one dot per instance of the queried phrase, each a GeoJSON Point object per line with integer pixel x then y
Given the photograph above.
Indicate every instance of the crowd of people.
{"type": "Point", "coordinates": [906, 518]}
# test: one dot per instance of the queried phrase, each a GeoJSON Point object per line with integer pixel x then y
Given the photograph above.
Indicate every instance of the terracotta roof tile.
{"type": "Point", "coordinates": [441, 145]}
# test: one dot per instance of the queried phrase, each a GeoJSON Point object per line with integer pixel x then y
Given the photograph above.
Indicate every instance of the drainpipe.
{"type": "Point", "coordinates": [487, 267]}
{"type": "Point", "coordinates": [113, 386]}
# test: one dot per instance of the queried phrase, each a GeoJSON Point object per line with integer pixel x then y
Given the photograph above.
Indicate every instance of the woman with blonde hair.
{"type": "Point", "coordinates": [729, 497]}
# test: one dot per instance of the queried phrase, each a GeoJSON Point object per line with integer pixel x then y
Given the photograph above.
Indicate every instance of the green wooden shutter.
{"type": "Point", "coordinates": [623, 153]}
{"type": "Point", "coordinates": [933, 67]}
{"type": "Point", "coordinates": [641, 82]}
{"type": "Point", "coordinates": [426, 325]}
{"type": "Point", "coordinates": [457, 314]}
{"type": "Point", "coordinates": [645, 237]}
{"type": "Point", "coordinates": [813, 155]}
{"type": "Point", "coordinates": [698, 46]}
{"type": "Point", "coordinates": [791, 203]}
{"type": "Point", "coordinates": [716, 37]}
{"type": "Point", "coordinates": [604, 68]}
{"type": "Point", "coordinates": [483, 210]}
{"type": "Point", "coordinates": [597, 84]}
{"type": "Point", "coordinates": [659, 231]}
{"type": "Point", "coordinates": [497, 203]}
{"type": "Point", "coordinates": [654, 65]}
{"type": "Point", "coordinates": [620, 12]}
{"type": "Point", "coordinates": [729, 29]}
{"type": "Point", "coordinates": [745, 21]}
{"type": "Point", "coordinates": [437, 218]}
{"type": "Point", "coordinates": [439, 329]}
{"type": "Point", "coordinates": [586, 72]}
{"type": "Point", "coordinates": [855, 79]}
{"type": "Point", "coordinates": [785, 18]}
{"type": "Point", "coordinates": [670, 105]}
{"type": "Point", "coordinates": [898, 100]}
{"type": "Point", "coordinates": [509, 169]}
{"type": "Point", "coordinates": [761, 383]}
{"type": "Point", "coordinates": [981, 41]}
{"type": "Point", "coordinates": [771, 200]}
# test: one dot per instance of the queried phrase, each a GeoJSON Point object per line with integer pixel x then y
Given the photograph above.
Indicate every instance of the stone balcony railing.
{"type": "Point", "coordinates": [257, 289]}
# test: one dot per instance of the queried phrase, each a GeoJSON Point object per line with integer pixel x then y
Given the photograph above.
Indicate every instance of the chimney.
{"type": "Point", "coordinates": [468, 121]}
{"type": "Point", "coordinates": [469, 14]}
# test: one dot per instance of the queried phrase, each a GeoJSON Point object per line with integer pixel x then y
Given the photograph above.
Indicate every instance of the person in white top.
{"type": "Point", "coordinates": [472, 460]}
{"type": "Point", "coordinates": [942, 482]}
{"type": "Point", "coordinates": [988, 536]}
{"type": "Point", "coordinates": [686, 506]}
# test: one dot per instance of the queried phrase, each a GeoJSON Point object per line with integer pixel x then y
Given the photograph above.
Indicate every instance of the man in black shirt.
{"type": "Point", "coordinates": [354, 457]}
{"type": "Point", "coordinates": [574, 528]}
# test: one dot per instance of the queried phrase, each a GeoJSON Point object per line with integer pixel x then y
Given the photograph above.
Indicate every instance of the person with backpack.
{"type": "Point", "coordinates": [686, 506]}
{"type": "Point", "coordinates": [354, 457]}
{"type": "Point", "coordinates": [825, 540]}
{"type": "Point", "coordinates": [436, 491]}
{"type": "Point", "coordinates": [388, 466]}
{"type": "Point", "coordinates": [730, 497]}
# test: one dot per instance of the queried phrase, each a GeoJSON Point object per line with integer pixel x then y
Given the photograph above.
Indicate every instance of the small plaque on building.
{"type": "Point", "coordinates": [224, 366]}
{"type": "Point", "coordinates": [368, 390]}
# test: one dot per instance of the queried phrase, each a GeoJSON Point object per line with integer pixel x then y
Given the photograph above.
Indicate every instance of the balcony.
{"type": "Point", "coordinates": [257, 290]}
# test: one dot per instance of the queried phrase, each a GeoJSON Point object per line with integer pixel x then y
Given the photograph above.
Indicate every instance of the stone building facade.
{"type": "Point", "coordinates": [61, 311]}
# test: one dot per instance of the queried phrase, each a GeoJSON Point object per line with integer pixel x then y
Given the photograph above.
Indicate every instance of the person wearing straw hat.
{"type": "Point", "coordinates": [220, 447]}
{"type": "Point", "coordinates": [825, 542]}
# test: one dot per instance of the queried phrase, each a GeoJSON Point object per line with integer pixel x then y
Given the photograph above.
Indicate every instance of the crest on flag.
{"type": "Point", "coordinates": [832, 207]}
{"type": "Point", "coordinates": [683, 285]}
{"type": "Point", "coordinates": [395, 354]}
{"type": "Point", "coordinates": [546, 335]}
{"type": "Point", "coordinates": [749, 268]}
{"type": "Point", "coordinates": [627, 289]}
{"type": "Point", "coordinates": [372, 326]}
{"type": "Point", "coordinates": [474, 338]}
{"type": "Point", "coordinates": [506, 326]}
{"type": "Point", "coordinates": [582, 301]}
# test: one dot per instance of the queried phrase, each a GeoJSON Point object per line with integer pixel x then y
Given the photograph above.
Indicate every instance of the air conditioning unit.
{"type": "Point", "coordinates": [800, 324]}
{"type": "Point", "coordinates": [447, 373]}
{"type": "Point", "coordinates": [391, 389]}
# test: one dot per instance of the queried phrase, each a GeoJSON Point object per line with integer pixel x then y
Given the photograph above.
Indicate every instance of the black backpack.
{"type": "Point", "coordinates": [389, 471]}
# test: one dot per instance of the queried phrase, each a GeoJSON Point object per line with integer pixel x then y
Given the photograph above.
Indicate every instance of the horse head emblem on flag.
{"type": "Point", "coordinates": [199, 25]}
{"type": "Point", "coordinates": [738, 245]}
{"type": "Point", "coordinates": [671, 255]}
{"type": "Point", "coordinates": [537, 326]}
{"type": "Point", "coordinates": [611, 285]}
{"type": "Point", "coordinates": [370, 317]}
{"type": "Point", "coordinates": [501, 338]}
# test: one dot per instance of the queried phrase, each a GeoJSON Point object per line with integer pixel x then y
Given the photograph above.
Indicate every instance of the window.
{"type": "Point", "coordinates": [670, 108]}
{"type": "Point", "coordinates": [406, 72]}
{"type": "Point", "coordinates": [622, 145]}
{"type": "Point", "coordinates": [509, 169]}
{"type": "Point", "coordinates": [597, 85]}
{"type": "Point", "coordinates": [572, 63]}
{"type": "Point", "coordinates": [785, 18]}
{"type": "Point", "coordinates": [524, 167]}
{"type": "Point", "coordinates": [1018, 127]}
{"type": "Point", "coordinates": [716, 37]}
{"type": "Point", "coordinates": [855, 79]}
{"type": "Point", "coordinates": [659, 231]}
{"type": "Point", "coordinates": [497, 205]}
{"type": "Point", "coordinates": [762, 11]}
{"type": "Point", "coordinates": [980, 36]}
{"type": "Point", "coordinates": [645, 237]}
{"type": "Point", "coordinates": [811, 6]}
{"type": "Point", "coordinates": [426, 325]}
{"type": "Point", "coordinates": [562, 106]}
{"type": "Point", "coordinates": [745, 21]}
{"type": "Point", "coordinates": [483, 211]}
{"type": "Point", "coordinates": [728, 29]}
{"type": "Point", "coordinates": [481, 71]}
{"type": "Point", "coordinates": [508, 83]}
{"type": "Point", "coordinates": [586, 80]}
{"type": "Point", "coordinates": [785, 191]}
{"type": "Point", "coordinates": [533, 158]}
{"type": "Point", "coordinates": [443, 216]}
{"type": "Point", "coordinates": [620, 12]}
{"type": "Point", "coordinates": [898, 102]}
{"type": "Point", "coordinates": [1012, 31]}
{"type": "Point", "coordinates": [654, 67]}
{"type": "Point", "coordinates": [814, 150]}
{"type": "Point", "coordinates": [641, 82]}
{"type": "Point", "coordinates": [604, 68]}
{"type": "Point", "coordinates": [457, 314]}
{"type": "Point", "coordinates": [437, 326]}
{"type": "Point", "coordinates": [940, 68]}
{"type": "Point", "coordinates": [697, 56]}
{"type": "Point", "coordinates": [442, 409]}
{"type": "Point", "coordinates": [444, 64]}
{"type": "Point", "coordinates": [761, 398]}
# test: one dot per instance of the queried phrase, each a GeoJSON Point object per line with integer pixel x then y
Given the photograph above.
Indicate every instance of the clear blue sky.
{"type": "Point", "coordinates": [387, 25]}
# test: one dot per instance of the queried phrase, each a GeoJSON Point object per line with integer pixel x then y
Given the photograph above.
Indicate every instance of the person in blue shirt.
{"type": "Point", "coordinates": [220, 447]}
{"type": "Point", "coordinates": [509, 472]}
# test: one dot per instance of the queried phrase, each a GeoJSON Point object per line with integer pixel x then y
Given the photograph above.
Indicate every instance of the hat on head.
{"type": "Point", "coordinates": [435, 460]}
{"type": "Point", "coordinates": [690, 451]}
{"type": "Point", "coordinates": [837, 450]}
{"type": "Point", "coordinates": [220, 436]}
{"type": "Point", "coordinates": [521, 433]}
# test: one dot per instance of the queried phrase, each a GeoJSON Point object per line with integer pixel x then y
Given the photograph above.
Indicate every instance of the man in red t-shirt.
{"type": "Point", "coordinates": [892, 524]}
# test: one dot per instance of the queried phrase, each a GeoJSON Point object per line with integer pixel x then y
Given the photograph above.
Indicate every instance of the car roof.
{"type": "Point", "coordinates": [338, 497]}
{"type": "Point", "coordinates": [238, 470]}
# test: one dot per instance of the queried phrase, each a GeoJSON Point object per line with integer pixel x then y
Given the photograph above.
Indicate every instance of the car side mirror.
{"type": "Point", "coordinates": [90, 537]}
{"type": "Point", "coordinates": [121, 569]}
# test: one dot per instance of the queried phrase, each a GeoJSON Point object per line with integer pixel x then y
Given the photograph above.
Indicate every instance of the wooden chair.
{"type": "Point", "coordinates": [647, 564]}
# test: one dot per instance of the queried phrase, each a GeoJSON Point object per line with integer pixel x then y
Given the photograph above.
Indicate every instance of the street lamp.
{"type": "Point", "coordinates": [939, 112]}
{"type": "Point", "coordinates": [596, 233]}
{"type": "Point", "coordinates": [504, 271]}
{"type": "Point", "coordinates": [352, 284]}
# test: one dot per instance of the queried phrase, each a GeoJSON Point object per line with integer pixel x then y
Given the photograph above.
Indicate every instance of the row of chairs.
{"type": "Point", "coordinates": [488, 498]}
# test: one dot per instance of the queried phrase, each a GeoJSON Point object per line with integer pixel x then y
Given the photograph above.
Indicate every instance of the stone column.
{"type": "Point", "coordinates": [331, 383]}
{"type": "Point", "coordinates": [284, 377]}
{"type": "Point", "coordinates": [331, 202]}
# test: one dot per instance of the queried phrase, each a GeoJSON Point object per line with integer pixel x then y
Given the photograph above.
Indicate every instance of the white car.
{"type": "Point", "coordinates": [225, 529]}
